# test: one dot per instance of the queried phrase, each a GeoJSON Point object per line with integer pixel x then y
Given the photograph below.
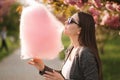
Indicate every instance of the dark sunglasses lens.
{"type": "Point", "coordinates": [70, 20]}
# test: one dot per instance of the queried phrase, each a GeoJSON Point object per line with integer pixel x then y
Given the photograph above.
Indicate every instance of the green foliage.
{"type": "Point", "coordinates": [111, 59]}
{"type": "Point", "coordinates": [11, 21]}
{"type": "Point", "coordinates": [66, 43]}
{"type": "Point", "coordinates": [11, 46]}
{"type": "Point", "coordinates": [102, 39]}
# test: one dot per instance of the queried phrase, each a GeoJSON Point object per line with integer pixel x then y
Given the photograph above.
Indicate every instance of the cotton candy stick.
{"type": "Point", "coordinates": [40, 33]}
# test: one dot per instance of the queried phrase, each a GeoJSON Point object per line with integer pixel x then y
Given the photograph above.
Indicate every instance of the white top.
{"type": "Point", "coordinates": [67, 66]}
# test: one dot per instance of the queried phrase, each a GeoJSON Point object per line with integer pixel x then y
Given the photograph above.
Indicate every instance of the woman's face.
{"type": "Point", "coordinates": [71, 26]}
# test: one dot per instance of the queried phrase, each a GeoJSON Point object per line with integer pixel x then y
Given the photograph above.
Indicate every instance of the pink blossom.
{"type": "Point", "coordinates": [5, 6]}
{"type": "Point", "coordinates": [49, 1]}
{"type": "Point", "coordinates": [97, 3]}
{"type": "Point", "coordinates": [114, 5]}
{"type": "Point", "coordinates": [96, 19]}
{"type": "Point", "coordinates": [82, 1]}
{"type": "Point", "coordinates": [66, 1]}
{"type": "Point", "coordinates": [114, 21]}
{"type": "Point", "coordinates": [93, 11]}
{"type": "Point", "coordinates": [111, 21]}
{"type": "Point", "coordinates": [118, 8]}
{"type": "Point", "coordinates": [72, 2]}
{"type": "Point", "coordinates": [109, 6]}
{"type": "Point", "coordinates": [79, 4]}
{"type": "Point", "coordinates": [105, 18]}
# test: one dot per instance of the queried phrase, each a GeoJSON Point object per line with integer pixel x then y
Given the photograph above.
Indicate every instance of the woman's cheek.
{"type": "Point", "coordinates": [67, 30]}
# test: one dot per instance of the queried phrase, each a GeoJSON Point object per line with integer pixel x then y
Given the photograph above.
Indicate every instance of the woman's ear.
{"type": "Point", "coordinates": [79, 31]}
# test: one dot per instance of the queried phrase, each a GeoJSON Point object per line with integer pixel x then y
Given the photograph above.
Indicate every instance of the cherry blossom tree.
{"type": "Point", "coordinates": [9, 17]}
{"type": "Point", "coordinates": [5, 7]}
{"type": "Point", "coordinates": [106, 14]}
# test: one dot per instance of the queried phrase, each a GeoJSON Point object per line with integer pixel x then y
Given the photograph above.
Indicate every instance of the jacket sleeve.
{"type": "Point", "coordinates": [89, 65]}
{"type": "Point", "coordinates": [48, 69]}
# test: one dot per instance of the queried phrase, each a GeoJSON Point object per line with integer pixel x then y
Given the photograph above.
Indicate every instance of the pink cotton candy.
{"type": "Point", "coordinates": [40, 33]}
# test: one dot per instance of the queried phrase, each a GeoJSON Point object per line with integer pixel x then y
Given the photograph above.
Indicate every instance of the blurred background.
{"type": "Point", "coordinates": [106, 14]}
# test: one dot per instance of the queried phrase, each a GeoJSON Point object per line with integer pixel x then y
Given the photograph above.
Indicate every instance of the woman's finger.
{"type": "Point", "coordinates": [49, 73]}
{"type": "Point", "coordinates": [37, 60]}
{"type": "Point", "coordinates": [31, 62]}
{"type": "Point", "coordinates": [55, 72]}
{"type": "Point", "coordinates": [48, 77]}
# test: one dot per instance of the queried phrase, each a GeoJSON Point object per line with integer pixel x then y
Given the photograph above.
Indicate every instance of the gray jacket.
{"type": "Point", "coordinates": [84, 66]}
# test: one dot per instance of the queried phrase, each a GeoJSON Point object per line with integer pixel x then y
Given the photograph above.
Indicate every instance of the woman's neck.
{"type": "Point", "coordinates": [74, 41]}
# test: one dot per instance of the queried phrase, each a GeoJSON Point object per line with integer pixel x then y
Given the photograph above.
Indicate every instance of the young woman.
{"type": "Point", "coordinates": [82, 61]}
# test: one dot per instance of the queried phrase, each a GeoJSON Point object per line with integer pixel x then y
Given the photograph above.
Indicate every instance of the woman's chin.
{"type": "Point", "coordinates": [66, 34]}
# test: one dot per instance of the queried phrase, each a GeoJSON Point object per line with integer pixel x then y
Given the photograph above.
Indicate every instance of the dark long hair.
{"type": "Point", "coordinates": [87, 37]}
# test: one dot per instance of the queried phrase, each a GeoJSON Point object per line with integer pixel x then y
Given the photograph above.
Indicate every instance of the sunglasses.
{"type": "Point", "coordinates": [71, 20]}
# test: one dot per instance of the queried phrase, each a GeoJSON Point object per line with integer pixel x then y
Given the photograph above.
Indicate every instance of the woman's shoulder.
{"type": "Point", "coordinates": [86, 53]}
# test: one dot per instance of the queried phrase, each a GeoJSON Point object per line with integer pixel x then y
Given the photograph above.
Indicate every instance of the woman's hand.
{"type": "Point", "coordinates": [53, 75]}
{"type": "Point", "coordinates": [38, 63]}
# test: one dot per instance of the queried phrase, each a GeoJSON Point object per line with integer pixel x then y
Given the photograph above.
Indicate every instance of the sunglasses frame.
{"type": "Point", "coordinates": [71, 20]}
